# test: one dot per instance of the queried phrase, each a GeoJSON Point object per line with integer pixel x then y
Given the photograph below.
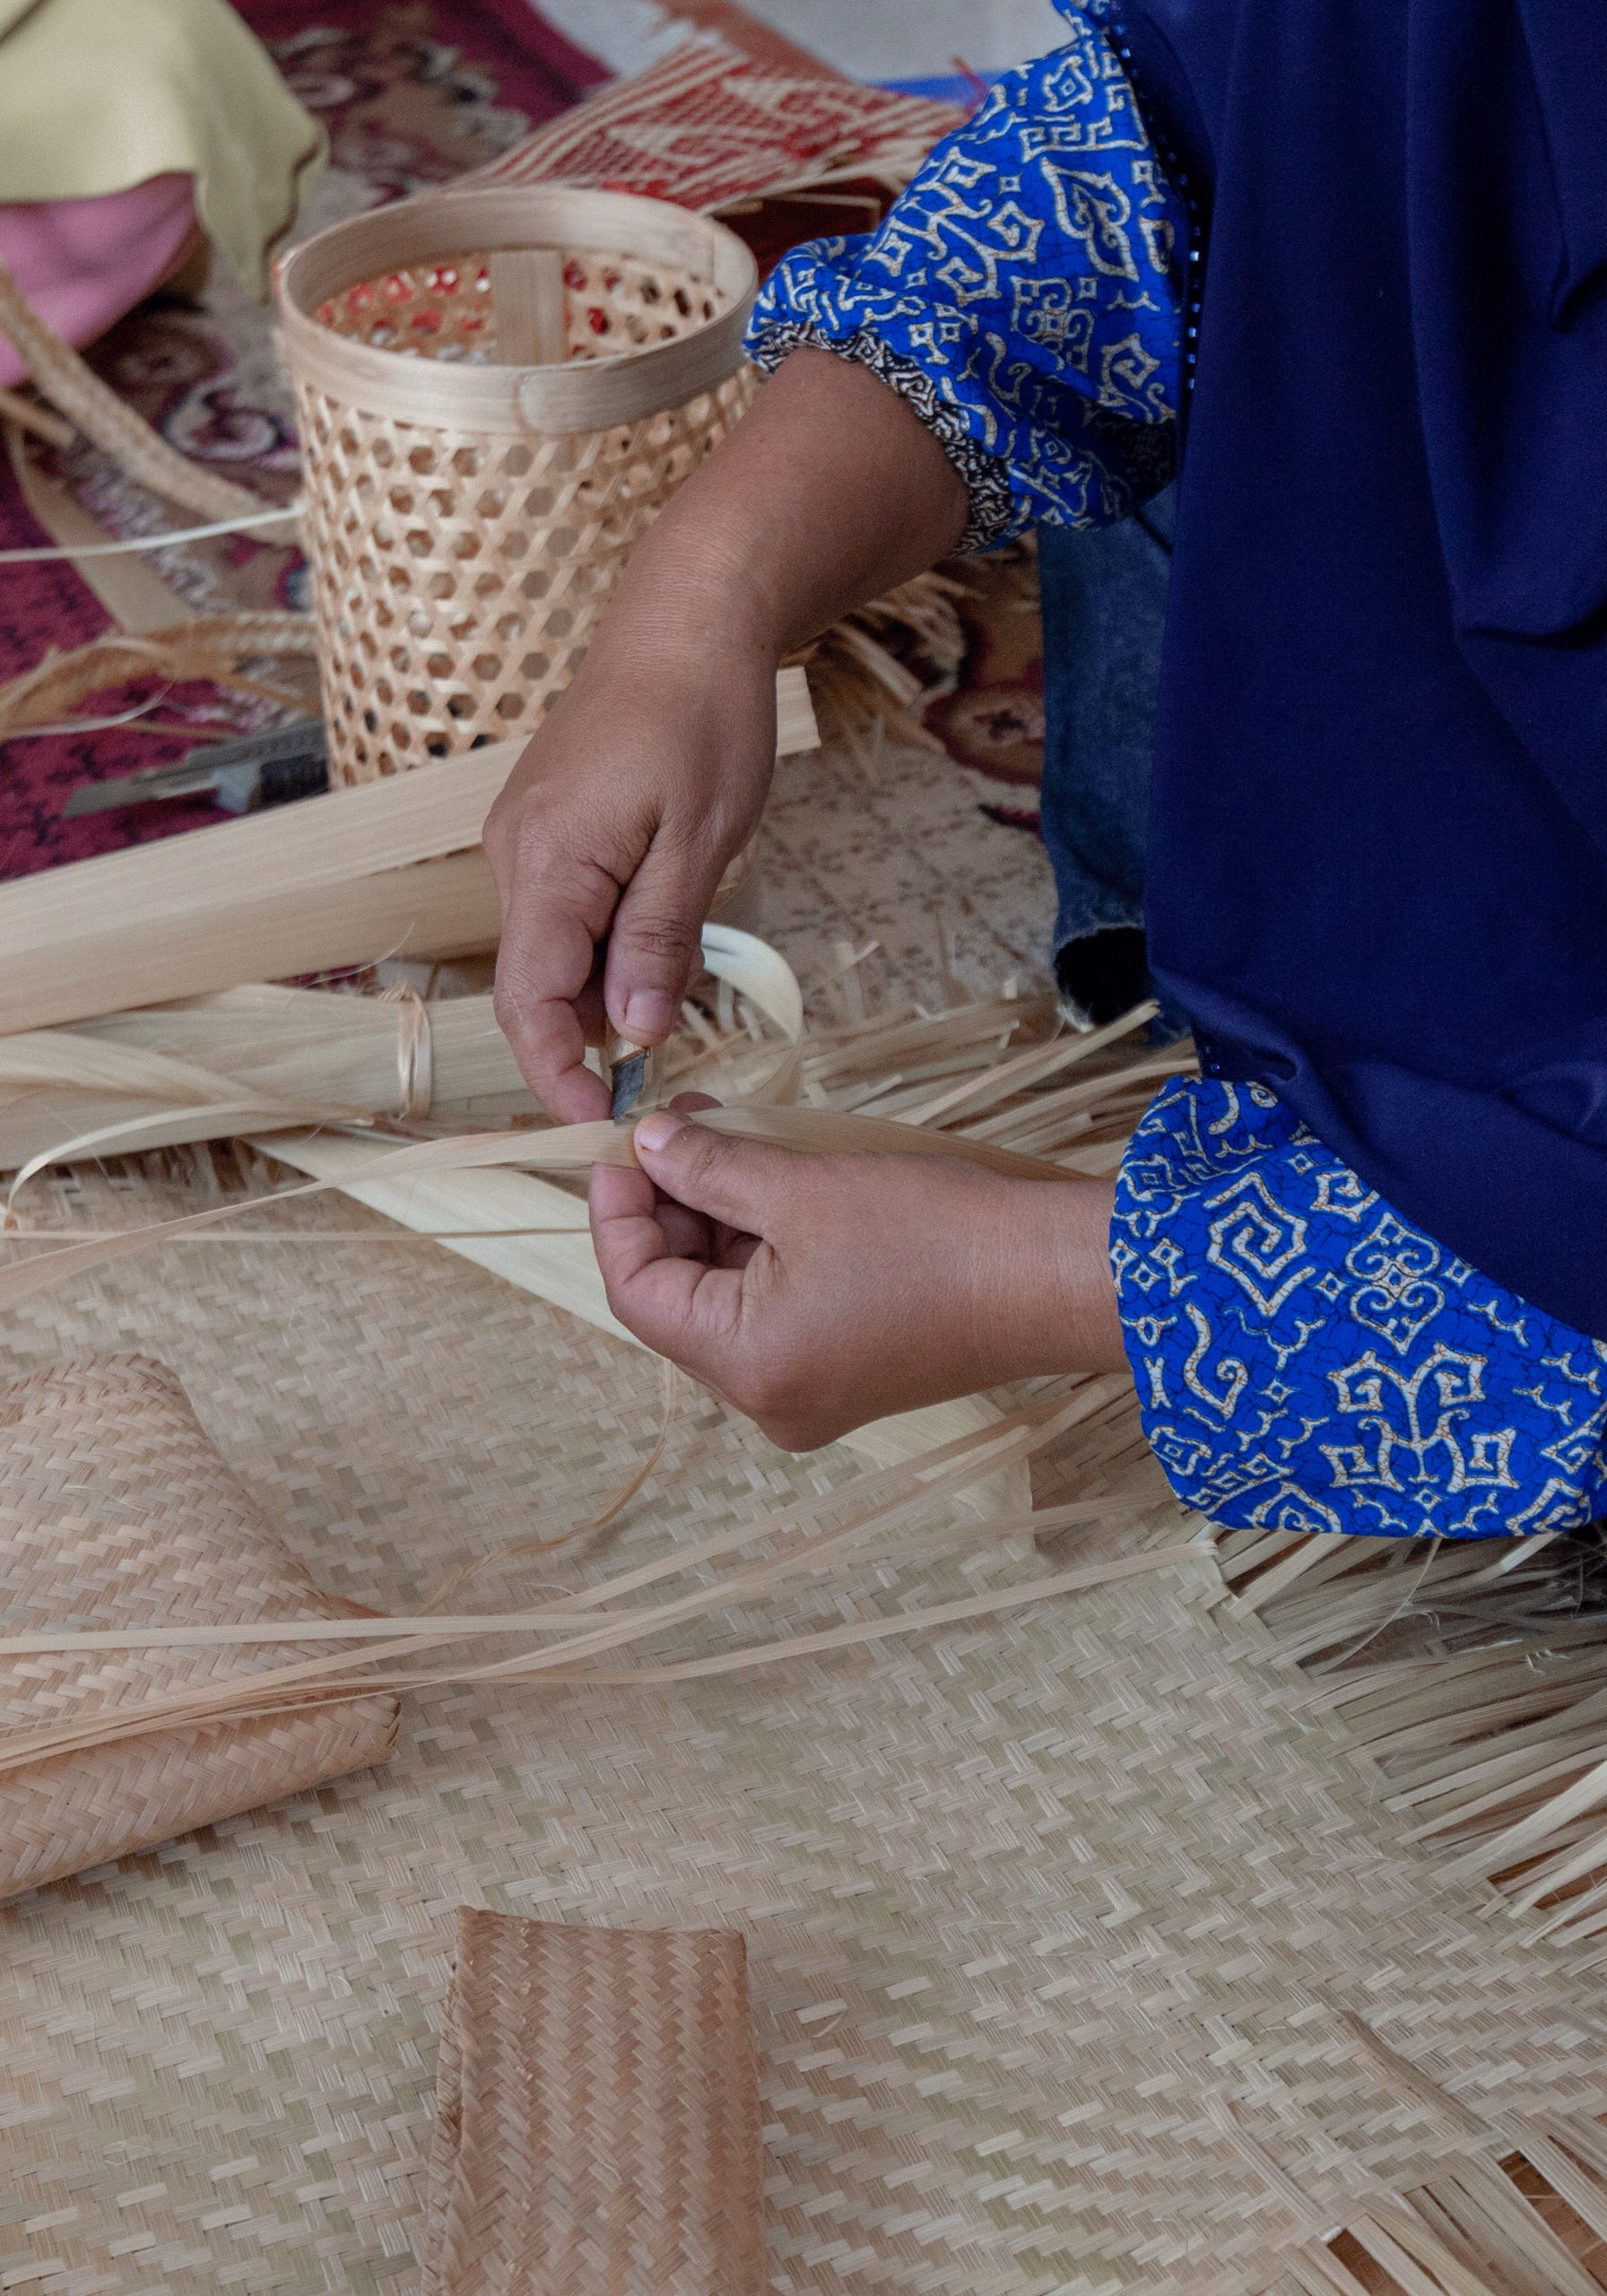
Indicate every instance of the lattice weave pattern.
{"type": "Point", "coordinates": [458, 575]}
{"type": "Point", "coordinates": [116, 1510]}
{"type": "Point", "coordinates": [597, 2115]}
{"type": "Point", "coordinates": [449, 309]}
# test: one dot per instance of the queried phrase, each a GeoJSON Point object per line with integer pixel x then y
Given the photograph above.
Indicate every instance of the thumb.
{"type": "Point", "coordinates": [654, 943]}
{"type": "Point", "coordinates": [744, 1183]}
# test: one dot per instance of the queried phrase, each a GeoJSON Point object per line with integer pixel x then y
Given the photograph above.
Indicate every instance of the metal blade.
{"type": "Point", "coordinates": [627, 1078]}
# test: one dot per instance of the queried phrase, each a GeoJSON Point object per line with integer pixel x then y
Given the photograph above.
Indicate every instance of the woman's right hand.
{"type": "Point", "coordinates": [646, 778]}
{"type": "Point", "coordinates": [650, 773]}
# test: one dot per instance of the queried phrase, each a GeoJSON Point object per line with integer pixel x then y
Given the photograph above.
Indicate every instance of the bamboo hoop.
{"type": "Point", "coordinates": [498, 390]}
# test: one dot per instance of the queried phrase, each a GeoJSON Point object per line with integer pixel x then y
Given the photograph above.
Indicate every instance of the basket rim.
{"type": "Point", "coordinates": [586, 395]}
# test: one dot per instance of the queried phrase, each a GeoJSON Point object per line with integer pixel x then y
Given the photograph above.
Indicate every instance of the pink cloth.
{"type": "Point", "coordinates": [83, 263]}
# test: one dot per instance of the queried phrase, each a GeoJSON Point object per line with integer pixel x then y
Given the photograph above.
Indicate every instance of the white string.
{"type": "Point", "coordinates": [150, 541]}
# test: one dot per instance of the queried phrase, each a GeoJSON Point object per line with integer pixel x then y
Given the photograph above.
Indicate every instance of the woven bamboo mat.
{"type": "Point", "coordinates": [1081, 1962]}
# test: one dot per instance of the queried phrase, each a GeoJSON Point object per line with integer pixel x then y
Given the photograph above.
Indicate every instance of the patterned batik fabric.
{"type": "Point", "coordinates": [1023, 296]}
{"type": "Point", "coordinates": [1308, 1360]}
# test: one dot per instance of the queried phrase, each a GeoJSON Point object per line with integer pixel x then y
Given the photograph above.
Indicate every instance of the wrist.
{"type": "Point", "coordinates": [1050, 1291]}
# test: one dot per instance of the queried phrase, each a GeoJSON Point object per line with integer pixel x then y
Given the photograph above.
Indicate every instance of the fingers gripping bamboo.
{"type": "Point", "coordinates": [568, 1148]}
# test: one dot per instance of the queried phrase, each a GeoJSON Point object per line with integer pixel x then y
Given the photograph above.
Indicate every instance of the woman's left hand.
{"type": "Point", "coordinates": [817, 1292]}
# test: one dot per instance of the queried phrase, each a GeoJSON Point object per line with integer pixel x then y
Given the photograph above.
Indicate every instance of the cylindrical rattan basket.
{"type": "Point", "coordinates": [498, 390]}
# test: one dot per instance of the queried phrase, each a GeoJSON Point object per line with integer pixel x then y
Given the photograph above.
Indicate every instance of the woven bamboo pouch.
{"type": "Point", "coordinates": [597, 2115]}
{"type": "Point", "coordinates": [498, 390]}
{"type": "Point", "coordinates": [117, 1511]}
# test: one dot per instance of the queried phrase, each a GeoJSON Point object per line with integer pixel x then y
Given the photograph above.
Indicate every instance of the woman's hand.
{"type": "Point", "coordinates": [817, 1292]}
{"type": "Point", "coordinates": [648, 777]}
{"type": "Point", "coordinates": [649, 774]}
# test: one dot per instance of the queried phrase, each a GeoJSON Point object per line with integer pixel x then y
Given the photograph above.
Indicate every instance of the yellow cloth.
{"type": "Point", "coordinates": [96, 95]}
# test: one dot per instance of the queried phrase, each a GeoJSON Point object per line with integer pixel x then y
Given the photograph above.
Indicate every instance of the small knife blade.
{"type": "Point", "coordinates": [628, 1080]}
{"type": "Point", "coordinates": [254, 770]}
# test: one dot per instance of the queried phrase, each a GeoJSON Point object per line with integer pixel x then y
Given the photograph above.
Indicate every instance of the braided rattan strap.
{"type": "Point", "coordinates": [597, 2128]}
{"type": "Point", "coordinates": [68, 383]}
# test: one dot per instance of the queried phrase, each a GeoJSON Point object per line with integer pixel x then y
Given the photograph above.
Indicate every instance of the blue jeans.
{"type": "Point", "coordinates": [1104, 608]}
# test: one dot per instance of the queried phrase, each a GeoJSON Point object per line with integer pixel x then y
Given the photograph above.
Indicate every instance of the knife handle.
{"type": "Point", "coordinates": [284, 779]}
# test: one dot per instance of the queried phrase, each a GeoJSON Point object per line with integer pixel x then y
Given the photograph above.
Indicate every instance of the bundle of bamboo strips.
{"type": "Point", "coordinates": [267, 1056]}
{"type": "Point", "coordinates": [332, 881]}
{"type": "Point", "coordinates": [581, 1639]}
{"type": "Point", "coordinates": [1471, 1674]}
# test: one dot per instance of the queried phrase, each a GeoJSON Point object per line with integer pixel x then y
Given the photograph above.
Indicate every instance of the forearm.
{"type": "Point", "coordinates": [1034, 1264]}
{"type": "Point", "coordinates": [829, 493]}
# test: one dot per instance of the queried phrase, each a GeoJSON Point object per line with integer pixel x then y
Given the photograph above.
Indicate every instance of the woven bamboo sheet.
{"type": "Point", "coordinates": [115, 1510]}
{"type": "Point", "coordinates": [1082, 1955]}
{"type": "Point", "coordinates": [597, 2115]}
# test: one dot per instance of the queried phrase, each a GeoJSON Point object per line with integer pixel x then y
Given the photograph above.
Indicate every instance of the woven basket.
{"type": "Point", "coordinates": [498, 390]}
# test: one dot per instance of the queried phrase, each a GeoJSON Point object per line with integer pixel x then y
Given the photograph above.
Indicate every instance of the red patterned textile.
{"type": "Point", "coordinates": [705, 127]}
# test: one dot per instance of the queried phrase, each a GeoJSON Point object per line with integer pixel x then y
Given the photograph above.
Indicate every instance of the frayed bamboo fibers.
{"type": "Point", "coordinates": [1471, 1673]}
{"type": "Point", "coordinates": [225, 648]}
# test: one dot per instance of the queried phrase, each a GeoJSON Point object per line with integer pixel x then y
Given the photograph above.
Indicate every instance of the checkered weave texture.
{"type": "Point", "coordinates": [596, 2115]}
{"type": "Point", "coordinates": [1084, 1957]}
{"type": "Point", "coordinates": [116, 1511]}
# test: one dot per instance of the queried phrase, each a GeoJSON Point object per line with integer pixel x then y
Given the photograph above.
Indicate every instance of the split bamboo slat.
{"type": "Point", "coordinates": [498, 390]}
{"type": "Point", "coordinates": [597, 2115]}
{"type": "Point", "coordinates": [114, 1505]}
{"type": "Point", "coordinates": [330, 881]}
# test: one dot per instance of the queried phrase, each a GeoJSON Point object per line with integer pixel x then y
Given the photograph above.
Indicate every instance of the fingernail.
{"type": "Point", "coordinates": [649, 1015]}
{"type": "Point", "coordinates": [656, 1131]}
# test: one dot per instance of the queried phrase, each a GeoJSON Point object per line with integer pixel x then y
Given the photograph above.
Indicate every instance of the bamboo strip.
{"type": "Point", "coordinates": [27, 415]}
{"type": "Point", "coordinates": [881, 1499]}
{"type": "Point", "coordinates": [567, 1148]}
{"type": "Point", "coordinates": [332, 884]}
{"type": "Point", "coordinates": [131, 590]}
{"type": "Point", "coordinates": [563, 1270]}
